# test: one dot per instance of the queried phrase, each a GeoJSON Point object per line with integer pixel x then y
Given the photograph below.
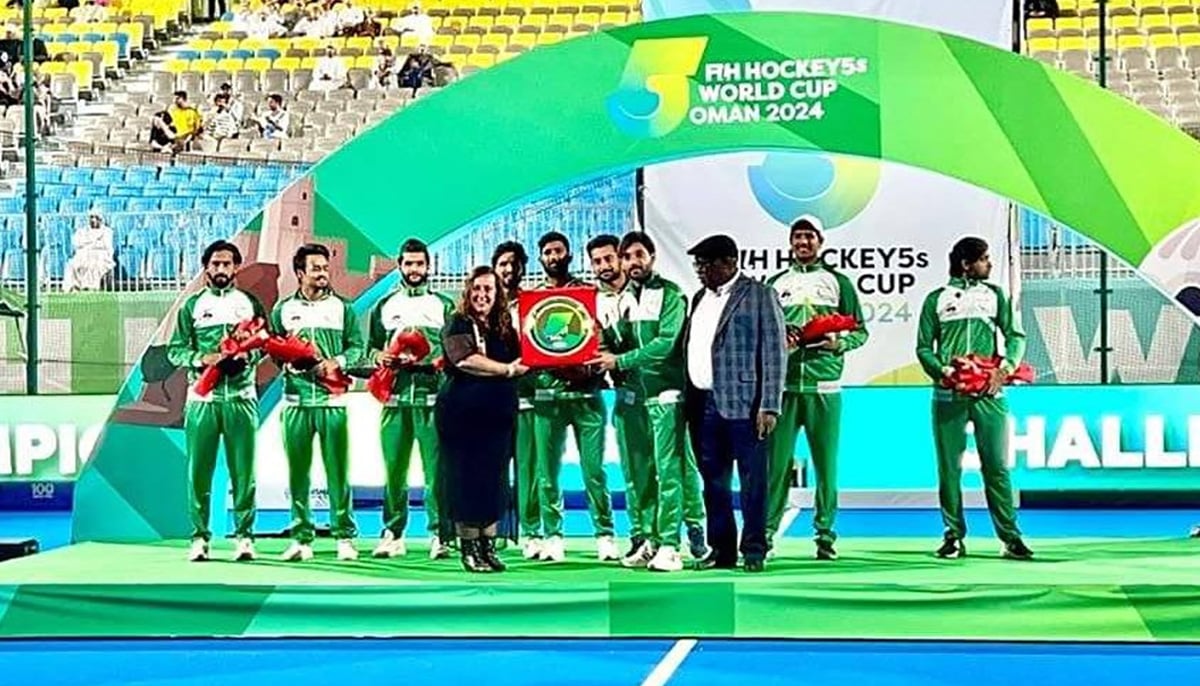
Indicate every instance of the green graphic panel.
{"type": "Point", "coordinates": [674, 89]}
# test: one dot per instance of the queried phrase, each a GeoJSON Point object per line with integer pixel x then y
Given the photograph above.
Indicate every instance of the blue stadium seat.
{"type": "Point", "coordinates": [188, 55]}
{"type": "Point", "coordinates": [215, 54]}
{"type": "Point", "coordinates": [141, 176]}
{"type": "Point", "coordinates": [143, 204]}
{"type": "Point", "coordinates": [131, 260]}
{"type": "Point", "coordinates": [176, 204]}
{"type": "Point", "coordinates": [55, 190]}
{"type": "Point", "coordinates": [75, 205]}
{"type": "Point", "coordinates": [125, 191]}
{"type": "Point", "coordinates": [158, 188]}
{"type": "Point", "coordinates": [244, 203]}
{"type": "Point", "coordinates": [164, 262]}
{"type": "Point", "coordinates": [91, 191]}
{"type": "Point", "coordinates": [238, 172]}
{"type": "Point", "coordinates": [122, 41]}
{"type": "Point", "coordinates": [224, 186]}
{"type": "Point", "coordinates": [269, 53]}
{"type": "Point", "coordinates": [206, 171]}
{"type": "Point", "coordinates": [174, 175]}
{"type": "Point", "coordinates": [68, 38]}
{"type": "Point", "coordinates": [240, 54]}
{"type": "Point", "coordinates": [13, 205]}
{"type": "Point", "coordinates": [77, 176]}
{"type": "Point", "coordinates": [107, 176]}
{"type": "Point", "coordinates": [262, 186]}
{"type": "Point", "coordinates": [109, 205]}
{"type": "Point", "coordinates": [54, 260]}
{"type": "Point", "coordinates": [92, 38]}
{"type": "Point", "coordinates": [48, 174]}
{"type": "Point", "coordinates": [210, 204]}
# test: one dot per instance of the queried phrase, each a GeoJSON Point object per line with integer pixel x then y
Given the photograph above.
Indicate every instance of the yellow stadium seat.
{"type": "Point", "coordinates": [1170, 4]}
{"type": "Point", "coordinates": [390, 42]}
{"type": "Point", "coordinates": [1113, 4]}
{"type": "Point", "coordinates": [53, 68]}
{"type": "Point", "coordinates": [231, 64]}
{"type": "Point", "coordinates": [481, 60]}
{"type": "Point", "coordinates": [507, 21]}
{"type": "Point", "coordinates": [468, 40]}
{"type": "Point", "coordinates": [459, 24]}
{"type": "Point", "coordinates": [408, 42]}
{"type": "Point", "coordinates": [481, 22]}
{"type": "Point", "coordinates": [542, 7]}
{"type": "Point", "coordinates": [1180, 20]}
{"type": "Point", "coordinates": [338, 43]}
{"type": "Point", "coordinates": [495, 40]}
{"type": "Point", "coordinates": [364, 62]}
{"type": "Point", "coordinates": [53, 29]}
{"type": "Point", "coordinates": [54, 13]}
{"type": "Point", "coordinates": [617, 18]}
{"type": "Point", "coordinates": [537, 21]}
{"type": "Point", "coordinates": [527, 40]}
{"type": "Point", "coordinates": [589, 18]}
{"type": "Point", "coordinates": [221, 26]}
{"type": "Point", "coordinates": [286, 63]}
{"type": "Point", "coordinates": [56, 49]}
{"type": "Point", "coordinates": [443, 41]}
{"type": "Point", "coordinates": [1124, 21]}
{"type": "Point", "coordinates": [1130, 42]}
{"type": "Point", "coordinates": [1143, 4]}
{"type": "Point", "coordinates": [175, 66]}
{"type": "Point", "coordinates": [549, 38]}
{"type": "Point", "coordinates": [1071, 43]}
{"type": "Point", "coordinates": [359, 43]}
{"type": "Point", "coordinates": [506, 56]}
{"type": "Point", "coordinates": [306, 43]}
{"type": "Point", "coordinates": [79, 28]}
{"type": "Point", "coordinates": [1188, 40]}
{"type": "Point", "coordinates": [1041, 44]}
{"type": "Point", "coordinates": [259, 64]}
{"type": "Point", "coordinates": [1040, 24]}
{"type": "Point", "coordinates": [280, 44]}
{"type": "Point", "coordinates": [225, 44]}
{"type": "Point", "coordinates": [111, 52]}
{"type": "Point", "coordinates": [252, 44]}
{"type": "Point", "coordinates": [308, 63]}
{"type": "Point", "coordinates": [82, 70]}
{"type": "Point", "coordinates": [200, 44]}
{"type": "Point", "coordinates": [203, 65]}
{"type": "Point", "coordinates": [1153, 21]}
{"type": "Point", "coordinates": [635, 16]}
{"type": "Point", "coordinates": [105, 27]}
{"type": "Point", "coordinates": [1164, 40]}
{"type": "Point", "coordinates": [567, 20]}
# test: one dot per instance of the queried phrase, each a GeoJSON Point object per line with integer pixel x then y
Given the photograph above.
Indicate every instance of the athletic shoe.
{"type": "Point", "coordinates": [554, 550]}
{"type": "Point", "coordinates": [297, 552]}
{"type": "Point", "coordinates": [245, 551]}
{"type": "Point", "coordinates": [532, 549]}
{"type": "Point", "coordinates": [771, 554]}
{"type": "Point", "coordinates": [640, 557]}
{"type": "Point", "coordinates": [346, 551]}
{"type": "Point", "coordinates": [826, 551]}
{"type": "Point", "coordinates": [390, 546]}
{"type": "Point", "coordinates": [606, 549]}
{"type": "Point", "coordinates": [667, 559]}
{"type": "Point", "coordinates": [753, 565]}
{"type": "Point", "coordinates": [1016, 550]}
{"type": "Point", "coordinates": [951, 549]}
{"type": "Point", "coordinates": [634, 543]}
{"type": "Point", "coordinates": [696, 543]}
{"type": "Point", "coordinates": [437, 549]}
{"type": "Point", "coordinates": [198, 551]}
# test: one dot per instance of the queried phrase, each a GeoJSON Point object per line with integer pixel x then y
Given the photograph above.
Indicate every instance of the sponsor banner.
{"type": "Point", "coordinates": [887, 227]}
{"type": "Point", "coordinates": [49, 438]}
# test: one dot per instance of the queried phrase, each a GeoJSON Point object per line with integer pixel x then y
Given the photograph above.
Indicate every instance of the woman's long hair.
{"type": "Point", "coordinates": [499, 319]}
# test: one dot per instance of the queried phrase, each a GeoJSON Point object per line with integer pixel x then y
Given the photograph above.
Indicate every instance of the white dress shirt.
{"type": "Point", "coordinates": [703, 331]}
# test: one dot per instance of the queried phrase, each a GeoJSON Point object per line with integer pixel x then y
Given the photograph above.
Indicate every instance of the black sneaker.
{"type": "Point", "coordinates": [696, 543]}
{"type": "Point", "coordinates": [826, 551]}
{"type": "Point", "coordinates": [951, 549]}
{"type": "Point", "coordinates": [1016, 550]}
{"type": "Point", "coordinates": [634, 544]}
{"type": "Point", "coordinates": [753, 565]}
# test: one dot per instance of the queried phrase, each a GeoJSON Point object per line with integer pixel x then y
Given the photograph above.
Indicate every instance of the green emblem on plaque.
{"type": "Point", "coordinates": [558, 326]}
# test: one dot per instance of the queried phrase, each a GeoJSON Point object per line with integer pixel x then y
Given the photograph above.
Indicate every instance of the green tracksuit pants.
{"type": "Point", "coordinates": [529, 510]}
{"type": "Point", "coordinates": [990, 419]}
{"type": "Point", "coordinates": [204, 424]}
{"type": "Point", "coordinates": [820, 415]}
{"type": "Point", "coordinates": [630, 423]}
{"type": "Point", "coordinates": [550, 422]}
{"type": "Point", "coordinates": [328, 425]}
{"type": "Point", "coordinates": [401, 427]}
{"type": "Point", "coordinates": [666, 479]}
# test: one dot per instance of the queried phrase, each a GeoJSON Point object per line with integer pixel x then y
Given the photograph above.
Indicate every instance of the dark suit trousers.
{"type": "Point", "coordinates": [720, 443]}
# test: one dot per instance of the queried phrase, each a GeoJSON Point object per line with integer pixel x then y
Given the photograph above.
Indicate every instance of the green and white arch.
{"type": "Point", "coordinates": [626, 98]}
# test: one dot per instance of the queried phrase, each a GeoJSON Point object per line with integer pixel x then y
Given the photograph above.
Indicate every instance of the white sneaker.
{"type": "Point", "coordinates": [532, 549]}
{"type": "Point", "coordinates": [640, 557]}
{"type": "Point", "coordinates": [245, 551]}
{"type": "Point", "coordinates": [606, 549]}
{"type": "Point", "coordinates": [437, 549]}
{"type": "Point", "coordinates": [390, 546]}
{"type": "Point", "coordinates": [346, 550]}
{"type": "Point", "coordinates": [554, 550]}
{"type": "Point", "coordinates": [198, 551]}
{"type": "Point", "coordinates": [297, 552]}
{"type": "Point", "coordinates": [667, 559]}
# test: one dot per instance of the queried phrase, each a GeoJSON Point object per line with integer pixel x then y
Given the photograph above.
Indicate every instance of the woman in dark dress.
{"type": "Point", "coordinates": [476, 417]}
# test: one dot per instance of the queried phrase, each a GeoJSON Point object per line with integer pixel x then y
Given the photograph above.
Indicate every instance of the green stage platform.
{"type": "Point", "coordinates": [1077, 590]}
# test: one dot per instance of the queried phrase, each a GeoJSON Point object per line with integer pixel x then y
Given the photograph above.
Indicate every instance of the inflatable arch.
{"type": "Point", "coordinates": [667, 90]}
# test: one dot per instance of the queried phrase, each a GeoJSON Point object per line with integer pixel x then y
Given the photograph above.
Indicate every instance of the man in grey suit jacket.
{"type": "Point", "coordinates": [736, 362]}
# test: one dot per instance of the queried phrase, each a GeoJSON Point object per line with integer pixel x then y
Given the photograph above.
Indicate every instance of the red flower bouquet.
{"type": "Point", "coordinates": [246, 336]}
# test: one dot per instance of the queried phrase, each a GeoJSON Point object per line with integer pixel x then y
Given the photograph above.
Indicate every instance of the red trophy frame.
{"type": "Point", "coordinates": [557, 326]}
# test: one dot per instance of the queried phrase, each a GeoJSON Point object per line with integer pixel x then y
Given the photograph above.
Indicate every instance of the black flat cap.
{"type": "Point", "coordinates": [715, 248]}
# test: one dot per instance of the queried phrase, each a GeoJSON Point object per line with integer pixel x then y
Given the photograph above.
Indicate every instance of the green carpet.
{"type": "Point", "coordinates": [1114, 589]}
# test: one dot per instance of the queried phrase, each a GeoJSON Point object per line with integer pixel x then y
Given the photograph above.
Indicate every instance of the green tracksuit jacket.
{"type": "Point", "coordinates": [964, 317]}
{"type": "Point", "coordinates": [330, 324]}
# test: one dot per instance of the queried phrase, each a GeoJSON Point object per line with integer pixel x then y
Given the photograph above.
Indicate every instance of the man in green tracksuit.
{"type": "Point", "coordinates": [510, 261]}
{"type": "Point", "coordinates": [605, 257]}
{"type": "Point", "coordinates": [569, 398]}
{"type": "Point", "coordinates": [656, 310]}
{"type": "Point", "coordinates": [812, 390]}
{"type": "Point", "coordinates": [408, 415]}
{"type": "Point", "coordinates": [231, 409]}
{"type": "Point", "coordinates": [318, 315]}
{"type": "Point", "coordinates": [959, 319]}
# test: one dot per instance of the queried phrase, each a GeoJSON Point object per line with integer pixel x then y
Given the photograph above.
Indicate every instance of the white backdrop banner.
{"type": "Point", "coordinates": [887, 226]}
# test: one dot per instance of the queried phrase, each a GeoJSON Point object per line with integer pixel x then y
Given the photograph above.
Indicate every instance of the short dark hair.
{"type": "Point", "coordinates": [604, 240]}
{"type": "Point", "coordinates": [968, 249]}
{"type": "Point", "coordinates": [415, 245]}
{"type": "Point", "coordinates": [510, 247]}
{"type": "Point", "coordinates": [638, 238]}
{"type": "Point", "coordinates": [300, 259]}
{"type": "Point", "coordinates": [553, 237]}
{"type": "Point", "coordinates": [181, 94]}
{"type": "Point", "coordinates": [220, 246]}
{"type": "Point", "coordinates": [276, 97]}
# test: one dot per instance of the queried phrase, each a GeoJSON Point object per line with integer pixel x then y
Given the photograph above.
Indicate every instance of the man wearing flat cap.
{"type": "Point", "coordinates": [736, 360]}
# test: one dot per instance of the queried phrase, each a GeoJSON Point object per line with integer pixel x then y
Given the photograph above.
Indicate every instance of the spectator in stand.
{"type": "Point", "coordinates": [315, 24]}
{"type": "Point", "coordinates": [93, 256]}
{"type": "Point", "coordinates": [418, 23]}
{"type": "Point", "coordinates": [275, 121]}
{"type": "Point", "coordinates": [330, 72]}
{"type": "Point", "coordinates": [162, 133]}
{"type": "Point", "coordinates": [417, 69]}
{"type": "Point", "coordinates": [347, 17]}
{"type": "Point", "coordinates": [262, 25]}
{"type": "Point", "coordinates": [13, 46]}
{"type": "Point", "coordinates": [10, 90]}
{"type": "Point", "coordinates": [386, 68]}
{"type": "Point", "coordinates": [367, 28]}
{"type": "Point", "coordinates": [91, 12]}
{"type": "Point", "coordinates": [236, 106]}
{"type": "Point", "coordinates": [219, 125]}
{"type": "Point", "coordinates": [187, 120]}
